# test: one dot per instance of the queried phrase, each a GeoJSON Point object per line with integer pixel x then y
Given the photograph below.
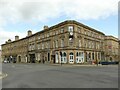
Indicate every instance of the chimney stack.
{"type": "Point", "coordinates": [29, 33]}
{"type": "Point", "coordinates": [45, 27]}
{"type": "Point", "coordinates": [9, 40]}
{"type": "Point", "coordinates": [6, 42]}
{"type": "Point", "coordinates": [16, 37]}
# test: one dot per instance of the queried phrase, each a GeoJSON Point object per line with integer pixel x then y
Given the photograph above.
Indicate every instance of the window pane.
{"type": "Point", "coordinates": [64, 54]}
{"type": "Point", "coordinates": [62, 30]}
{"type": "Point", "coordinates": [77, 54]}
{"type": "Point", "coordinates": [70, 28]}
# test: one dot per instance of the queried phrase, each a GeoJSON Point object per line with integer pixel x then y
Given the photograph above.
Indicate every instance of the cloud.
{"type": "Point", "coordinates": [93, 9]}
{"type": "Point", "coordinates": [5, 35]}
{"type": "Point", "coordinates": [30, 11]}
{"type": "Point", "coordinates": [40, 10]}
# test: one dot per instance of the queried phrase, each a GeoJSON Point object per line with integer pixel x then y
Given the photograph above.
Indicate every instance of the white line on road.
{"type": "Point", "coordinates": [13, 66]}
{"type": "Point", "coordinates": [3, 75]}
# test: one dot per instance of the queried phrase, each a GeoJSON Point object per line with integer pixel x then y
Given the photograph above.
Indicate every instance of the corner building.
{"type": "Point", "coordinates": [111, 48]}
{"type": "Point", "coordinates": [68, 42]}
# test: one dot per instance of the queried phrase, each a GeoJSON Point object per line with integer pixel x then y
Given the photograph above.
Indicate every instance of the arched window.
{"type": "Point", "coordinates": [71, 53]}
{"type": "Point", "coordinates": [64, 58]}
{"type": "Point", "coordinates": [79, 57]}
{"type": "Point", "coordinates": [77, 54]}
{"type": "Point", "coordinates": [71, 57]}
{"type": "Point", "coordinates": [64, 54]}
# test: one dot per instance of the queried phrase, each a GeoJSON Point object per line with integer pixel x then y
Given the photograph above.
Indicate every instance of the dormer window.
{"type": "Point", "coordinates": [70, 28]}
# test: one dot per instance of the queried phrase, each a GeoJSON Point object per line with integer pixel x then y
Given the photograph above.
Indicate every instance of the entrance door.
{"type": "Point", "coordinates": [110, 58]}
{"type": "Point", "coordinates": [53, 58]}
{"type": "Point", "coordinates": [19, 58]}
{"type": "Point", "coordinates": [48, 57]}
{"type": "Point", "coordinates": [32, 58]}
{"type": "Point", "coordinates": [71, 57]}
{"type": "Point", "coordinates": [64, 58]}
{"type": "Point", "coordinates": [79, 57]}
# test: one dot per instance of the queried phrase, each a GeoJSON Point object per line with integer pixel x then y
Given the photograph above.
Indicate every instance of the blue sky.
{"type": "Point", "coordinates": [109, 25]}
{"type": "Point", "coordinates": [18, 16]}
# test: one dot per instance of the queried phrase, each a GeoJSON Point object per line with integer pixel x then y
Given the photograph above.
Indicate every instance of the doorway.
{"type": "Point", "coordinates": [110, 58]}
{"type": "Point", "coordinates": [48, 57]}
{"type": "Point", "coordinates": [32, 58]}
{"type": "Point", "coordinates": [53, 58]}
{"type": "Point", "coordinates": [19, 58]}
{"type": "Point", "coordinates": [71, 58]}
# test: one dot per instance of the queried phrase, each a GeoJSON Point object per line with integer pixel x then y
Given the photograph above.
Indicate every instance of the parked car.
{"type": "Point", "coordinates": [5, 61]}
{"type": "Point", "coordinates": [109, 62]}
{"type": "Point", "coordinates": [14, 61]}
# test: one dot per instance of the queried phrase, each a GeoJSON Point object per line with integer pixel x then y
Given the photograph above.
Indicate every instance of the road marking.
{"type": "Point", "coordinates": [3, 75]}
{"type": "Point", "coordinates": [13, 66]}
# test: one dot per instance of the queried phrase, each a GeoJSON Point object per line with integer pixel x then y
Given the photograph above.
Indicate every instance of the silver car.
{"type": "Point", "coordinates": [5, 61]}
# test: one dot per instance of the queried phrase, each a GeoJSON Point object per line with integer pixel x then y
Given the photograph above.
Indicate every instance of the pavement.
{"type": "Point", "coordinates": [57, 76]}
{"type": "Point", "coordinates": [86, 65]}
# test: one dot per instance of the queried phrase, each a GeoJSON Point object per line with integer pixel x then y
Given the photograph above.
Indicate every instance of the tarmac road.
{"type": "Point", "coordinates": [56, 76]}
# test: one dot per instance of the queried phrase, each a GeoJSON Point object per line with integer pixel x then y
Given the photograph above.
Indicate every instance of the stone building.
{"type": "Point", "coordinates": [67, 42]}
{"type": "Point", "coordinates": [16, 50]}
{"type": "Point", "coordinates": [0, 56]}
{"type": "Point", "coordinates": [111, 48]}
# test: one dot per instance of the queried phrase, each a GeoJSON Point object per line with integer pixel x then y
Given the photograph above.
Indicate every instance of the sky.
{"type": "Point", "coordinates": [19, 16]}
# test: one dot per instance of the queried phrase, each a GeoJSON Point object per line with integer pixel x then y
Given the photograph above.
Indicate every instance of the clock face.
{"type": "Point", "coordinates": [71, 33]}
{"type": "Point", "coordinates": [70, 38]}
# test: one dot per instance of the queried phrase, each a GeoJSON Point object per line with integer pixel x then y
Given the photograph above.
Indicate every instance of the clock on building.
{"type": "Point", "coordinates": [71, 33]}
